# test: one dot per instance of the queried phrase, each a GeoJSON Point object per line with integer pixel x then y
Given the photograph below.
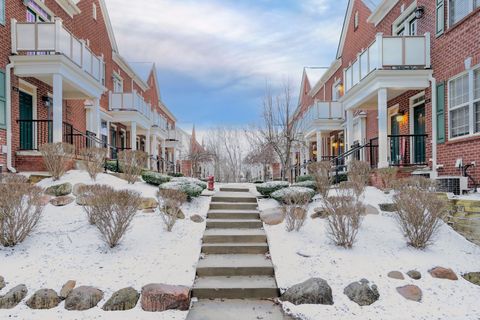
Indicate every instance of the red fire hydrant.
{"type": "Point", "coordinates": [211, 183]}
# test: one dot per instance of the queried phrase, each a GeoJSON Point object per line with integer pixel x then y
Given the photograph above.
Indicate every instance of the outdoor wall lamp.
{"type": "Point", "coordinates": [47, 100]}
{"type": "Point", "coordinates": [419, 12]}
{"type": "Point", "coordinates": [400, 117]}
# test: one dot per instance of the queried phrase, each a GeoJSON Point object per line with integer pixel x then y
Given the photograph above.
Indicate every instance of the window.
{"type": "Point", "coordinates": [36, 14]}
{"type": "Point", "coordinates": [440, 17]}
{"type": "Point", "coordinates": [3, 97]}
{"type": "Point", "coordinates": [356, 20]}
{"type": "Point", "coordinates": [476, 98]}
{"type": "Point", "coordinates": [336, 91]}
{"type": "Point", "coordinates": [2, 12]}
{"type": "Point", "coordinates": [117, 83]}
{"type": "Point", "coordinates": [406, 23]}
{"type": "Point", "coordinates": [94, 11]}
{"type": "Point", "coordinates": [458, 9]}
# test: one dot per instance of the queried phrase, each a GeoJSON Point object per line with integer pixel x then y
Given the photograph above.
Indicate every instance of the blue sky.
{"type": "Point", "coordinates": [214, 56]}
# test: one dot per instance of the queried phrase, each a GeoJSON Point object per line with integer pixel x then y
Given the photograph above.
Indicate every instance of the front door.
{"type": "Point", "coordinates": [26, 121]}
{"type": "Point", "coordinates": [419, 131]}
{"type": "Point", "coordinates": [113, 141]}
{"type": "Point", "coordinates": [395, 157]}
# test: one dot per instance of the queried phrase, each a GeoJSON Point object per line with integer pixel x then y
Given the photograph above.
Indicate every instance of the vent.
{"type": "Point", "coordinates": [455, 185]}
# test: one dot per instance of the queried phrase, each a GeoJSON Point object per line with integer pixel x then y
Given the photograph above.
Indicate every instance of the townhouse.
{"type": "Point", "coordinates": [62, 79]}
{"type": "Point", "coordinates": [406, 82]}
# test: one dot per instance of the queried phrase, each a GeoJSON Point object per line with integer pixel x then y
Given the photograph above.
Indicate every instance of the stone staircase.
{"type": "Point", "coordinates": [235, 265]}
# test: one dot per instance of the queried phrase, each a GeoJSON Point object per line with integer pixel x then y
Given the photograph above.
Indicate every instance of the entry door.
{"type": "Point", "coordinates": [26, 123]}
{"type": "Point", "coordinates": [419, 129]}
{"type": "Point", "coordinates": [395, 157]}
{"type": "Point", "coordinates": [113, 141]}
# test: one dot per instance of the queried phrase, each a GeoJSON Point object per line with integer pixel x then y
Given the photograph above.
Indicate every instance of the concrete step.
{"type": "Point", "coordinates": [235, 309]}
{"type": "Point", "coordinates": [259, 287]}
{"type": "Point", "coordinates": [234, 189]}
{"type": "Point", "coordinates": [233, 205]}
{"type": "Point", "coordinates": [234, 235]}
{"type": "Point", "coordinates": [234, 199]}
{"type": "Point", "coordinates": [235, 265]}
{"type": "Point", "coordinates": [235, 248]}
{"type": "Point", "coordinates": [233, 214]}
{"type": "Point", "coordinates": [234, 223]}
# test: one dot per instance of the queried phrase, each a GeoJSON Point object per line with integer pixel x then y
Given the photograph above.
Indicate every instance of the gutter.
{"type": "Point", "coordinates": [433, 81]}
{"type": "Point", "coordinates": [8, 84]}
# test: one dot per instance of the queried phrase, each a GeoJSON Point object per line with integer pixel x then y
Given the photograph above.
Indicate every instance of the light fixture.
{"type": "Point", "coordinates": [47, 100]}
{"type": "Point", "coordinates": [419, 12]}
{"type": "Point", "coordinates": [400, 117]}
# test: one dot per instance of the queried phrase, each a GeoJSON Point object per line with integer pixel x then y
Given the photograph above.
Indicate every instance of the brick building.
{"type": "Point", "coordinates": [406, 82]}
{"type": "Point", "coordinates": [62, 78]}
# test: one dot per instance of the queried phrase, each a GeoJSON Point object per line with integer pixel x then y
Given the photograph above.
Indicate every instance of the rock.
{"type": "Point", "coordinates": [62, 201]}
{"type": "Point", "coordinates": [161, 297]}
{"type": "Point", "coordinates": [410, 292]}
{"type": "Point", "coordinates": [78, 189]}
{"type": "Point", "coordinates": [13, 297]}
{"type": "Point", "coordinates": [319, 213]}
{"type": "Point", "coordinates": [180, 215]}
{"type": "Point", "coordinates": [36, 178]}
{"type": "Point", "coordinates": [473, 277]}
{"type": "Point", "coordinates": [196, 218]}
{"type": "Point", "coordinates": [395, 275]}
{"type": "Point", "coordinates": [272, 216]}
{"type": "Point", "coordinates": [44, 299]}
{"type": "Point", "coordinates": [443, 273]}
{"type": "Point", "coordinates": [414, 274]}
{"type": "Point", "coordinates": [362, 293]}
{"type": "Point", "coordinates": [2, 283]}
{"type": "Point", "coordinates": [59, 189]}
{"type": "Point", "coordinates": [389, 207]}
{"type": "Point", "coordinates": [148, 211]}
{"type": "Point", "coordinates": [148, 203]}
{"type": "Point", "coordinates": [82, 200]}
{"type": "Point", "coordinates": [83, 298]}
{"type": "Point", "coordinates": [312, 291]}
{"type": "Point", "coordinates": [123, 299]}
{"type": "Point", "coordinates": [371, 210]}
{"type": "Point", "coordinates": [67, 288]}
{"type": "Point", "coordinates": [45, 199]}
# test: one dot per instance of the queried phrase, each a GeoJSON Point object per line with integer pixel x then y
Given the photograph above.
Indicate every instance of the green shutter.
{"type": "Point", "coordinates": [2, 12]}
{"type": "Point", "coordinates": [440, 17]}
{"type": "Point", "coordinates": [441, 113]}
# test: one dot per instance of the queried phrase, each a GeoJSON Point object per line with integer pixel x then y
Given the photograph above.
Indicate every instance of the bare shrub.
{"type": "Point", "coordinates": [358, 176]}
{"type": "Point", "coordinates": [415, 182]}
{"type": "Point", "coordinates": [112, 211]}
{"type": "Point", "coordinates": [94, 160]}
{"type": "Point", "coordinates": [295, 208]}
{"type": "Point", "coordinates": [419, 212]}
{"type": "Point", "coordinates": [170, 208]}
{"type": "Point", "coordinates": [57, 157]}
{"type": "Point", "coordinates": [321, 172]}
{"type": "Point", "coordinates": [132, 162]}
{"type": "Point", "coordinates": [387, 177]}
{"type": "Point", "coordinates": [21, 208]}
{"type": "Point", "coordinates": [344, 216]}
{"type": "Point", "coordinates": [96, 198]}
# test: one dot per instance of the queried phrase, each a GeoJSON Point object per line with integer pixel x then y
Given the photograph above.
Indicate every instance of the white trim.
{"type": "Point", "coordinates": [381, 11]}
{"type": "Point", "coordinates": [406, 17]}
{"type": "Point", "coordinates": [392, 112]}
{"type": "Point", "coordinates": [69, 6]}
{"type": "Point", "coordinates": [31, 90]}
{"type": "Point", "coordinates": [118, 59]}
{"type": "Point", "coordinates": [44, 7]}
{"type": "Point", "coordinates": [108, 24]}
{"type": "Point", "coordinates": [325, 77]}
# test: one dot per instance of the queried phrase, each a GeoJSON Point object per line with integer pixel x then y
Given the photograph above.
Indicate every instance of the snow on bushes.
{"type": "Point", "coordinates": [196, 181]}
{"type": "Point", "coordinates": [306, 177]}
{"type": "Point", "coordinates": [192, 190]}
{"type": "Point", "coordinates": [282, 194]}
{"type": "Point", "coordinates": [306, 184]}
{"type": "Point", "coordinates": [267, 188]}
{"type": "Point", "coordinates": [155, 178]}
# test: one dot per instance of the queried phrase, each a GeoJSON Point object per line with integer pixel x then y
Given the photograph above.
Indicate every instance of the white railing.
{"type": "Point", "coordinates": [389, 52]}
{"type": "Point", "coordinates": [52, 38]}
{"type": "Point", "coordinates": [159, 121]}
{"type": "Point", "coordinates": [172, 134]}
{"type": "Point", "coordinates": [131, 101]}
{"type": "Point", "coordinates": [329, 110]}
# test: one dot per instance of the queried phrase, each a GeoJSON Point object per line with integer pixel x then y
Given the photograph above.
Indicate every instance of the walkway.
{"type": "Point", "coordinates": [235, 266]}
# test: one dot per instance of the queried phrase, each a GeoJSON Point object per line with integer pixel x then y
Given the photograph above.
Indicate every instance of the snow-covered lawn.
{"type": "Point", "coordinates": [65, 247]}
{"type": "Point", "coordinates": [381, 248]}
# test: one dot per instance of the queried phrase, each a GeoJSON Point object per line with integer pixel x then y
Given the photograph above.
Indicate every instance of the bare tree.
{"type": "Point", "coordinates": [171, 202]}
{"type": "Point", "coordinates": [57, 157]}
{"type": "Point", "coordinates": [132, 162]}
{"type": "Point", "coordinates": [295, 208]}
{"type": "Point", "coordinates": [261, 153]}
{"type": "Point", "coordinates": [94, 160]}
{"type": "Point", "coordinates": [321, 172]}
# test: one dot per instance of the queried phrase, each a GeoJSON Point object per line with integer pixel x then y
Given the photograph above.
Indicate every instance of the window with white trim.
{"type": "Point", "coordinates": [94, 11]}
{"type": "Point", "coordinates": [476, 98]}
{"type": "Point", "coordinates": [458, 9]}
{"type": "Point", "coordinates": [336, 90]}
{"type": "Point", "coordinates": [117, 83]}
{"type": "Point", "coordinates": [2, 12]}
{"type": "Point", "coordinates": [406, 23]}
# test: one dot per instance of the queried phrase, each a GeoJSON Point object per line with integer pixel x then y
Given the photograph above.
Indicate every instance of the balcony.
{"type": "Point", "coordinates": [130, 107]}
{"type": "Point", "coordinates": [45, 48]}
{"type": "Point", "coordinates": [322, 116]}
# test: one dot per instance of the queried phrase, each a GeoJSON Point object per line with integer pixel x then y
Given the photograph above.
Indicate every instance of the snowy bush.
{"type": "Point", "coordinates": [94, 160]}
{"type": "Point", "coordinates": [306, 184]}
{"type": "Point", "coordinates": [419, 211]}
{"type": "Point", "coordinates": [306, 177]}
{"type": "Point", "coordinates": [285, 194]}
{"type": "Point", "coordinates": [113, 166]}
{"type": "Point", "coordinates": [295, 208]}
{"type": "Point", "coordinates": [321, 173]}
{"type": "Point", "coordinates": [267, 188]}
{"type": "Point", "coordinates": [196, 181]}
{"type": "Point", "coordinates": [155, 178]}
{"type": "Point", "coordinates": [21, 206]}
{"type": "Point", "coordinates": [192, 190]}
{"type": "Point", "coordinates": [171, 201]}
{"type": "Point", "coordinates": [175, 174]}
{"type": "Point", "coordinates": [358, 176]}
{"type": "Point", "coordinates": [132, 163]}
{"type": "Point", "coordinates": [112, 211]}
{"type": "Point", "coordinates": [57, 157]}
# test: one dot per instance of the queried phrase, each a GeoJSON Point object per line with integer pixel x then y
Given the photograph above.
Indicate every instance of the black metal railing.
{"type": "Point", "coordinates": [406, 150]}
{"type": "Point", "coordinates": [34, 133]}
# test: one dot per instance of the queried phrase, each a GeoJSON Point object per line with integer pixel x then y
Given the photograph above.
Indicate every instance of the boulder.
{"type": "Point", "coordinates": [82, 200]}
{"type": "Point", "coordinates": [272, 216]}
{"type": "Point", "coordinates": [161, 297]}
{"type": "Point", "coordinates": [83, 298]}
{"type": "Point", "coordinates": [148, 203]}
{"type": "Point", "coordinates": [36, 178]}
{"type": "Point", "coordinates": [44, 299]}
{"type": "Point", "coordinates": [180, 214]}
{"type": "Point", "coordinates": [443, 273]}
{"type": "Point", "coordinates": [369, 209]}
{"type": "Point", "coordinates": [59, 189]}
{"type": "Point", "coordinates": [62, 201]}
{"type": "Point", "coordinates": [78, 189]}
{"type": "Point", "coordinates": [414, 274]}
{"type": "Point", "coordinates": [362, 293]}
{"type": "Point", "coordinates": [319, 213]}
{"type": "Point", "coordinates": [13, 297]}
{"type": "Point", "coordinates": [45, 199]}
{"type": "Point", "coordinates": [396, 275]}
{"type": "Point", "coordinates": [67, 288]}
{"type": "Point", "coordinates": [123, 299]}
{"type": "Point", "coordinates": [388, 207]}
{"type": "Point", "coordinates": [312, 291]}
{"type": "Point", "coordinates": [473, 277]}
{"type": "Point", "coordinates": [410, 292]}
{"type": "Point", "coordinates": [196, 218]}
{"type": "Point", "coordinates": [2, 283]}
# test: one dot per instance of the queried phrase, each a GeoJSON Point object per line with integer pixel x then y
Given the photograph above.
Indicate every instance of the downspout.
{"type": "Point", "coordinates": [8, 92]}
{"type": "Point", "coordinates": [433, 81]}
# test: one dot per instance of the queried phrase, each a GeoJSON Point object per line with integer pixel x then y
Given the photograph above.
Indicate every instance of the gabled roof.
{"type": "Point", "coordinates": [108, 24]}
{"type": "Point", "coordinates": [310, 77]}
{"type": "Point", "coordinates": [372, 4]}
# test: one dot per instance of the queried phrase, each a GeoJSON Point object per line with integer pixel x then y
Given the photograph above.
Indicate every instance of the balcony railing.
{"type": "Point", "coordinates": [130, 101]}
{"type": "Point", "coordinates": [389, 52]}
{"type": "Point", "coordinates": [50, 38]}
{"type": "Point", "coordinates": [159, 121]}
{"type": "Point", "coordinates": [321, 111]}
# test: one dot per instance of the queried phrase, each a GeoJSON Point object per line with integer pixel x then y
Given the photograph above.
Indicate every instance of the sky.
{"type": "Point", "coordinates": [214, 57]}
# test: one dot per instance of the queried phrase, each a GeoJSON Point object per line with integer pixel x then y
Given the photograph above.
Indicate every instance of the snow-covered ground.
{"type": "Point", "coordinates": [65, 247]}
{"type": "Point", "coordinates": [380, 248]}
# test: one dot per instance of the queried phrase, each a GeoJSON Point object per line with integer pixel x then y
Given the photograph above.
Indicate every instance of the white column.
{"type": "Point", "coordinates": [148, 147]}
{"type": "Point", "coordinates": [97, 122]}
{"type": "Point", "coordinates": [174, 161]}
{"type": "Point", "coordinates": [319, 146]}
{"type": "Point", "coordinates": [57, 131]}
{"type": "Point", "coordinates": [382, 129]}
{"type": "Point", "coordinates": [164, 155]}
{"type": "Point", "coordinates": [133, 135]}
{"type": "Point", "coordinates": [349, 141]}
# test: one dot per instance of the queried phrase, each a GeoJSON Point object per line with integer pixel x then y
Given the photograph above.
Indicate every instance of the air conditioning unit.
{"type": "Point", "coordinates": [454, 184]}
